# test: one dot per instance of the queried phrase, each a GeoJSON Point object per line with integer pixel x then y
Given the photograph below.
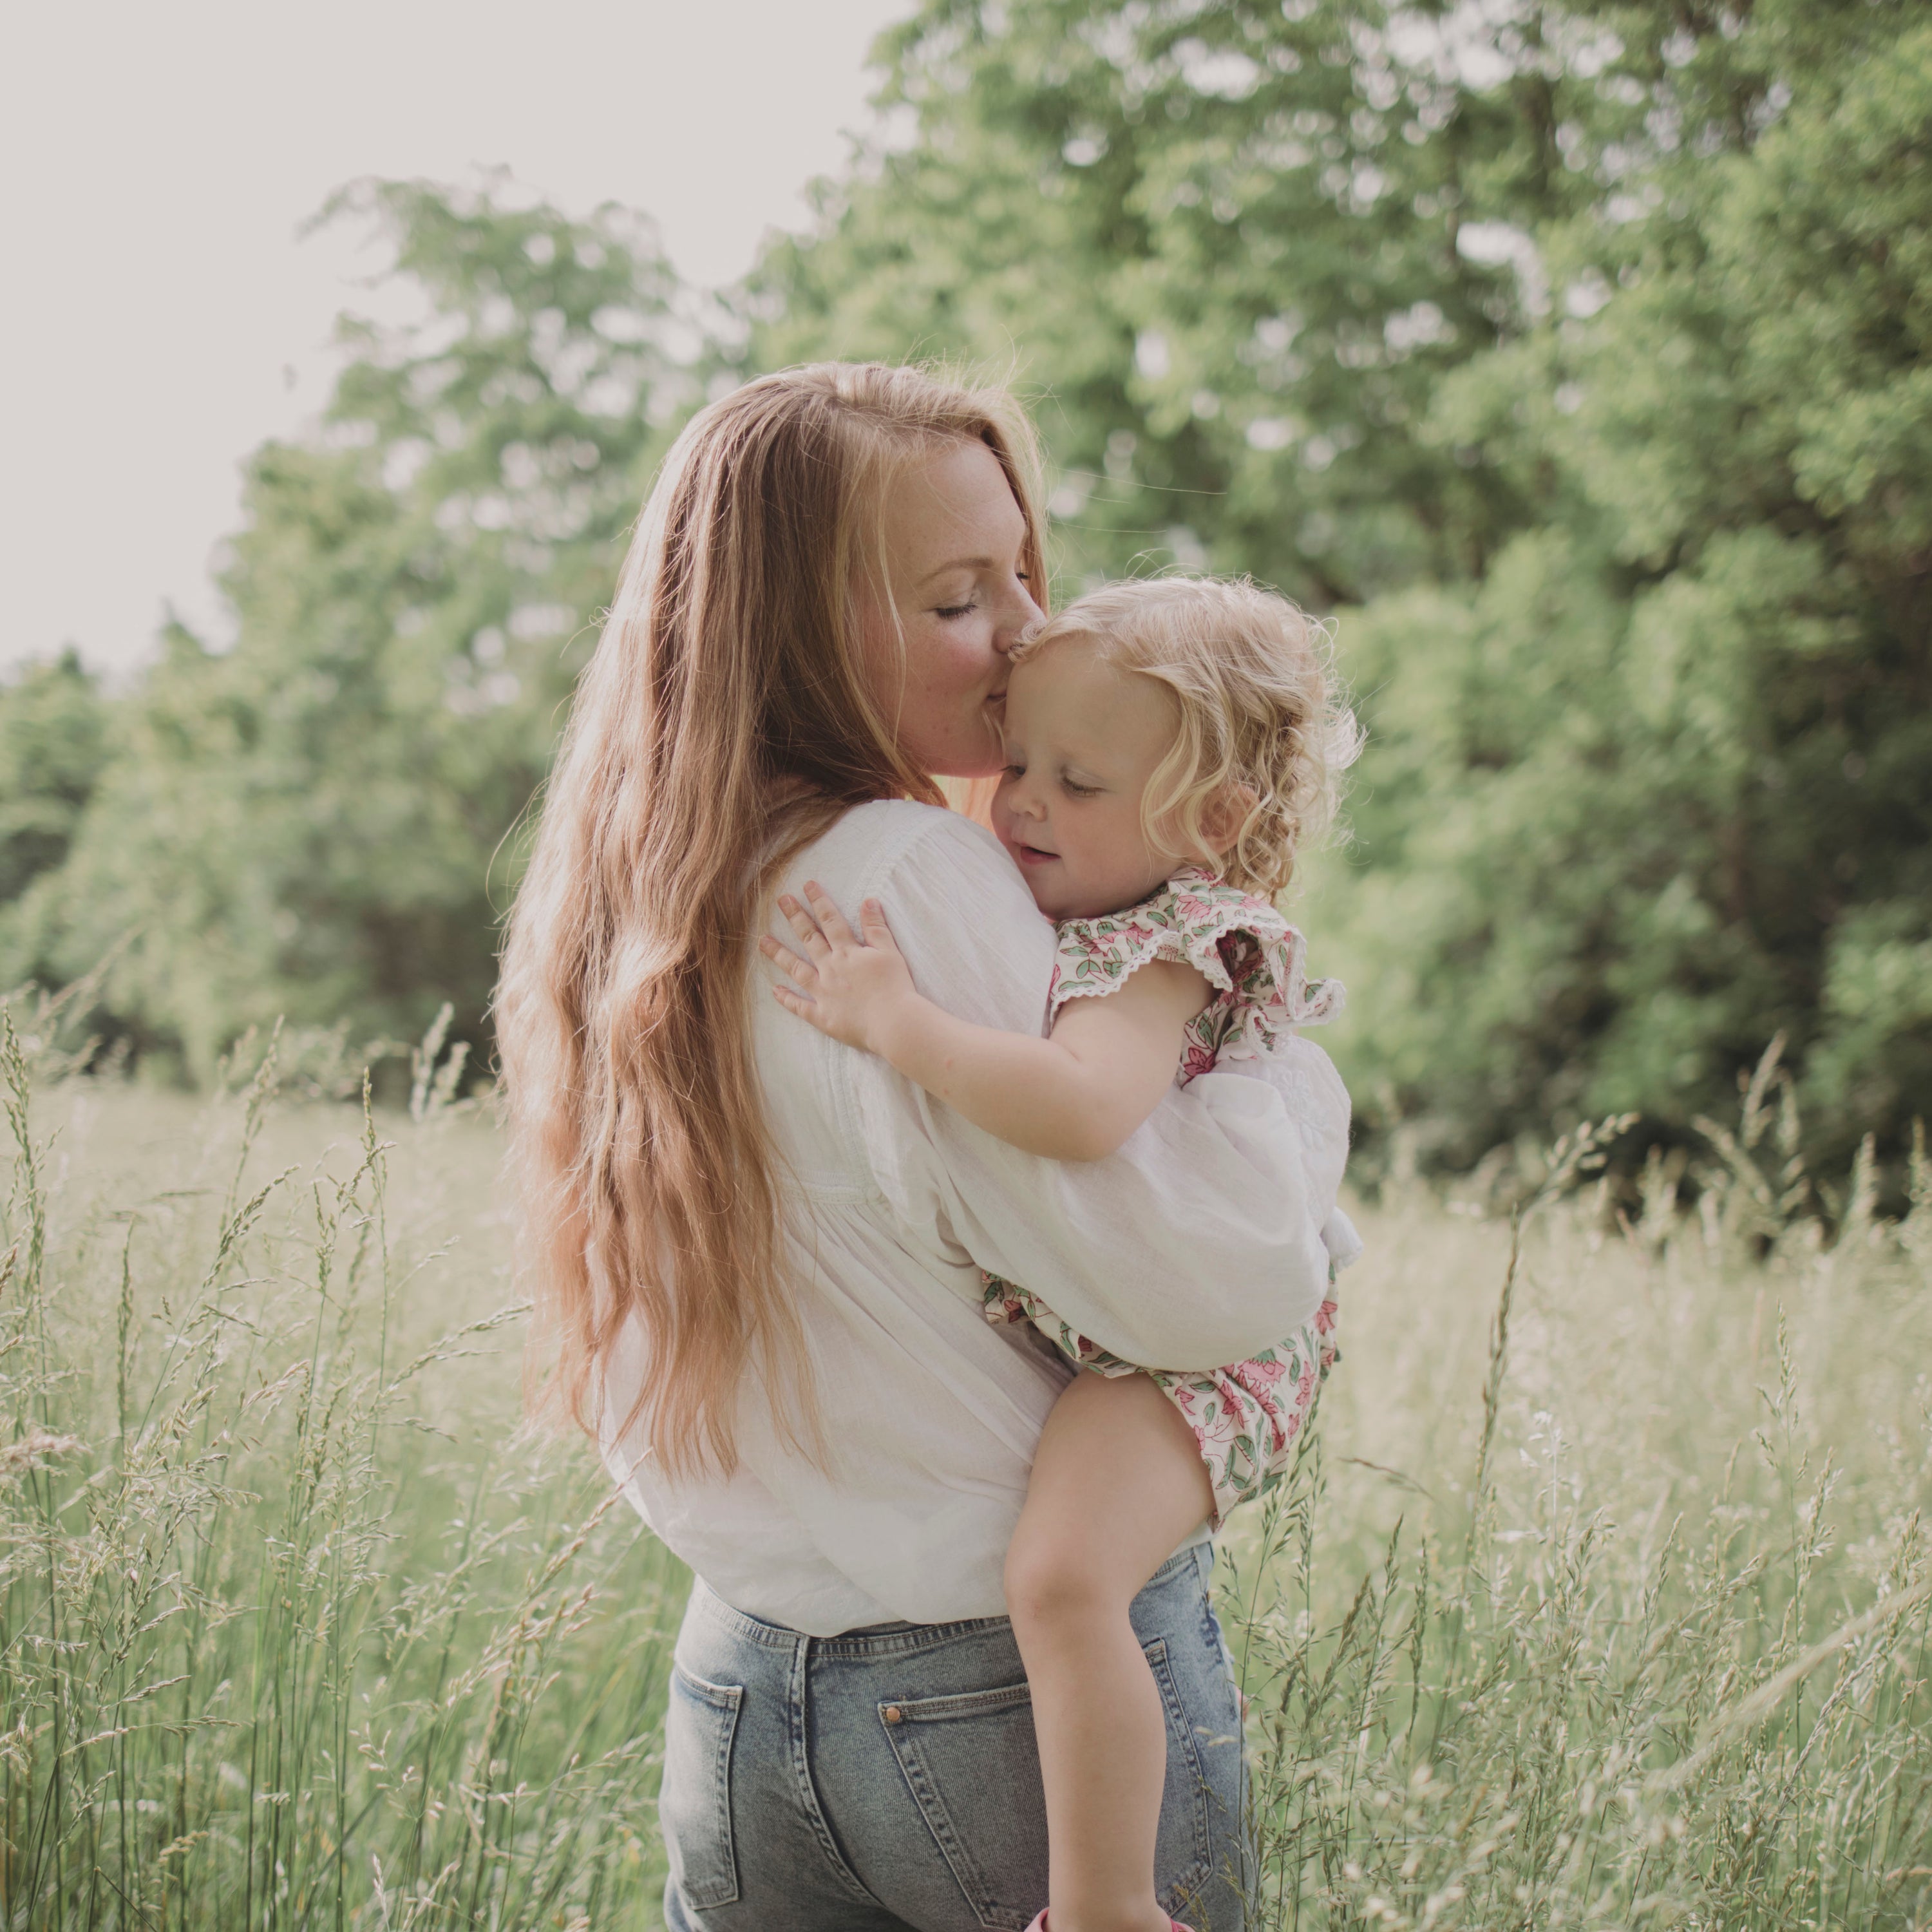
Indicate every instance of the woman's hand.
{"type": "Point", "coordinates": [858, 989]}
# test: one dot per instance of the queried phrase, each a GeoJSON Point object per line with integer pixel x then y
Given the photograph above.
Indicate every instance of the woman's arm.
{"type": "Point", "coordinates": [1075, 1096]}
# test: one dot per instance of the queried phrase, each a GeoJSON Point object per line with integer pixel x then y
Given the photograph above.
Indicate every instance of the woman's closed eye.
{"type": "Point", "coordinates": [952, 612]}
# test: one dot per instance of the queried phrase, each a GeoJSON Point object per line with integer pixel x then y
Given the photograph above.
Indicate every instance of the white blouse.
{"type": "Point", "coordinates": [1197, 1244]}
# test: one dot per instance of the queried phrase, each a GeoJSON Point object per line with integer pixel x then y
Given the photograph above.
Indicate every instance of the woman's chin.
{"type": "Point", "coordinates": [979, 752]}
{"type": "Point", "coordinates": [972, 755]}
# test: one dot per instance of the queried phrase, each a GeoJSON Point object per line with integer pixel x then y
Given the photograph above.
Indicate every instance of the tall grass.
{"type": "Point", "coordinates": [1632, 1630]}
{"type": "Point", "coordinates": [1600, 1597]}
{"type": "Point", "coordinates": [293, 1632]}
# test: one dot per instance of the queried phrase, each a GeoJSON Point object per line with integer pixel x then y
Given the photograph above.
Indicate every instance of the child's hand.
{"type": "Point", "coordinates": [856, 989]}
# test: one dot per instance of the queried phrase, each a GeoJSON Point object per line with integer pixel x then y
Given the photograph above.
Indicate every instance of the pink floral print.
{"type": "Point", "coordinates": [1248, 951]}
{"type": "Point", "coordinates": [1246, 1416]}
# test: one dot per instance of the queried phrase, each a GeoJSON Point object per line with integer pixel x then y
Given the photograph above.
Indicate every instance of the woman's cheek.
{"type": "Point", "coordinates": [944, 665]}
{"type": "Point", "coordinates": [977, 657]}
{"type": "Point", "coordinates": [964, 690]}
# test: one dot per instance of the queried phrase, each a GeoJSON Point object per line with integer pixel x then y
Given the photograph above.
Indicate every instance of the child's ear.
{"type": "Point", "coordinates": [1225, 813]}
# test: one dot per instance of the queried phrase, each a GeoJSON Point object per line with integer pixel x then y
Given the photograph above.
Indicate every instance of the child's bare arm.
{"type": "Point", "coordinates": [1075, 1097]}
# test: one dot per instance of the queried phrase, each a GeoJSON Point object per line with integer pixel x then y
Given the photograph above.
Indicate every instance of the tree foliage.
{"type": "Point", "coordinates": [1659, 787]}
{"type": "Point", "coordinates": [306, 824]}
{"type": "Point", "coordinates": [1235, 248]}
{"type": "Point", "coordinates": [53, 747]}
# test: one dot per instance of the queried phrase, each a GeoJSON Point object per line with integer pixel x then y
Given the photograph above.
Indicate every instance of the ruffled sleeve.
{"type": "Point", "coordinates": [1247, 951]}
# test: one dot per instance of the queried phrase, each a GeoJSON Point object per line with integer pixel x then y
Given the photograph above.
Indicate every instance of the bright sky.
{"type": "Point", "coordinates": [162, 319]}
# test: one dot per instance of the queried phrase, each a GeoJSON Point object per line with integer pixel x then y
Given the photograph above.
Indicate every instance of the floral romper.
{"type": "Point", "coordinates": [1246, 1416]}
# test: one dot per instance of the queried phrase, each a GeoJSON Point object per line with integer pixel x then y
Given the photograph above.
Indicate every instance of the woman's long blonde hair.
{"type": "Point", "coordinates": [725, 721]}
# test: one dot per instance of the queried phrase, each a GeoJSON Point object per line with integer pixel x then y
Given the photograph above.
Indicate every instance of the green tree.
{"type": "Point", "coordinates": [1661, 787]}
{"type": "Point", "coordinates": [1574, 354]}
{"type": "Point", "coordinates": [306, 824]}
{"type": "Point", "coordinates": [53, 745]}
{"type": "Point", "coordinates": [1234, 248]}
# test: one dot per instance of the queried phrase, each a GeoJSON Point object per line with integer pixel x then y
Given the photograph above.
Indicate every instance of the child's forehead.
{"type": "Point", "coordinates": [1066, 665]}
{"type": "Point", "coordinates": [1072, 688]}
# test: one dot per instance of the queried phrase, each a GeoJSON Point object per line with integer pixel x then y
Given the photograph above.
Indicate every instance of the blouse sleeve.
{"type": "Point", "coordinates": [1196, 1244]}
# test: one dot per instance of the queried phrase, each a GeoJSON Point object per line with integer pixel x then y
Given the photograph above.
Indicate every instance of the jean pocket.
{"type": "Point", "coordinates": [972, 1764]}
{"type": "Point", "coordinates": [695, 1802]}
{"type": "Point", "coordinates": [973, 1767]}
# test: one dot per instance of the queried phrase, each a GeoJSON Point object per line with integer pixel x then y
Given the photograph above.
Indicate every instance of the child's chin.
{"type": "Point", "coordinates": [1051, 904]}
{"type": "Point", "coordinates": [1035, 884]}
{"type": "Point", "coordinates": [1035, 887]}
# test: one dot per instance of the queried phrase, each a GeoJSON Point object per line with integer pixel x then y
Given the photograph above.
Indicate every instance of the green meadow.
{"type": "Point", "coordinates": [1599, 1597]}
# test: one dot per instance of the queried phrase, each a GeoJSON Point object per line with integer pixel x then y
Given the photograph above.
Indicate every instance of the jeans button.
{"type": "Point", "coordinates": [894, 1715]}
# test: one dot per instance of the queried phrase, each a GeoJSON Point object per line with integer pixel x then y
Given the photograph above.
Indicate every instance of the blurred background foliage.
{"type": "Point", "coordinates": [309, 824]}
{"type": "Point", "coordinates": [1574, 356]}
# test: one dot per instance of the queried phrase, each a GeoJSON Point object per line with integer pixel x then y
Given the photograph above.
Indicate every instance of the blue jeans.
{"type": "Point", "coordinates": [887, 1779]}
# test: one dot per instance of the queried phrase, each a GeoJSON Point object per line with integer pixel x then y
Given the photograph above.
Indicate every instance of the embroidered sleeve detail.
{"type": "Point", "coordinates": [1248, 951]}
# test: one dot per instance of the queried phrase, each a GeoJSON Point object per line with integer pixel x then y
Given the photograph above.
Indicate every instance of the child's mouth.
{"type": "Point", "coordinates": [1031, 855]}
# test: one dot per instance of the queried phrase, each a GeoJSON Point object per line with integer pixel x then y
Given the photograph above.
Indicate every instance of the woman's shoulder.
{"type": "Point", "coordinates": [872, 843]}
{"type": "Point", "coordinates": [958, 909]}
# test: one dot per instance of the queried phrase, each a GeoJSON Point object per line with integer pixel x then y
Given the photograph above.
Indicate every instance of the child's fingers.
{"type": "Point", "coordinates": [829, 917]}
{"type": "Point", "coordinates": [872, 921]}
{"type": "Point", "coordinates": [791, 999]}
{"type": "Point", "coordinates": [802, 923]}
{"type": "Point", "coordinates": [787, 961]}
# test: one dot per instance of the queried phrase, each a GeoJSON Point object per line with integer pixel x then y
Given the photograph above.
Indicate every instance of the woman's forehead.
{"type": "Point", "coordinates": [954, 505]}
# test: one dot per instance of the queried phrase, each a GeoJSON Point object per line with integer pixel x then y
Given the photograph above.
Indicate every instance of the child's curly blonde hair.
{"type": "Point", "coordinates": [1258, 708]}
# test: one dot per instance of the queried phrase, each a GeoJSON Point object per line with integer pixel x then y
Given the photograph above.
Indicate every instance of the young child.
{"type": "Point", "coordinates": [1171, 745]}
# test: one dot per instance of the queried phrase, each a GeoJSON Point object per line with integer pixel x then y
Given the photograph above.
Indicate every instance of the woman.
{"type": "Point", "coordinates": [759, 1252]}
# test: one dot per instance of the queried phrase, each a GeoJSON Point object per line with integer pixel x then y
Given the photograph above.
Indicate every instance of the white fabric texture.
{"type": "Point", "coordinates": [1198, 1243]}
{"type": "Point", "coordinates": [1317, 1107]}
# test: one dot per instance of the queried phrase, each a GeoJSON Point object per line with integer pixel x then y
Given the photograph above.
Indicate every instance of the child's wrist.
{"type": "Point", "coordinates": [897, 1032]}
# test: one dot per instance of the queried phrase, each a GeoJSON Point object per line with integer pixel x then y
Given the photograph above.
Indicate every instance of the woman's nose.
{"type": "Point", "coordinates": [1017, 614]}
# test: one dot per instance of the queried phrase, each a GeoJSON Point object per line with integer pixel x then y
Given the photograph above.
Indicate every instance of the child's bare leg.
{"type": "Point", "coordinates": [1117, 1482]}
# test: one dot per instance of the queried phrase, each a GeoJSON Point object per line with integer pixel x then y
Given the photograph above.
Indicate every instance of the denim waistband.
{"type": "Point", "coordinates": [892, 1639]}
